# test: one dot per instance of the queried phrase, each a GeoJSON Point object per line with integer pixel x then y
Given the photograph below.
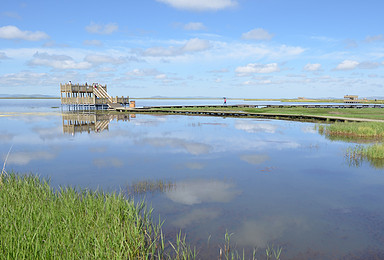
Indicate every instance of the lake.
{"type": "Point", "coordinates": [266, 182]}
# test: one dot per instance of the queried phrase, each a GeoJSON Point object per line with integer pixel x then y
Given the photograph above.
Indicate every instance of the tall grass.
{"type": "Point", "coordinates": [374, 154]}
{"type": "Point", "coordinates": [360, 129]}
{"type": "Point", "coordinates": [40, 223]}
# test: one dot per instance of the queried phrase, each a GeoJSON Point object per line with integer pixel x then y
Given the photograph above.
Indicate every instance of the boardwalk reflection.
{"type": "Point", "coordinates": [90, 121]}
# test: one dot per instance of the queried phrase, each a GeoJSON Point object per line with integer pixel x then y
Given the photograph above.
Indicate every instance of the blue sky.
{"type": "Point", "coordinates": [178, 48]}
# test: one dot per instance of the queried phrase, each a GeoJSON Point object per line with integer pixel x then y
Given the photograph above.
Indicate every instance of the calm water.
{"type": "Point", "coordinates": [266, 181]}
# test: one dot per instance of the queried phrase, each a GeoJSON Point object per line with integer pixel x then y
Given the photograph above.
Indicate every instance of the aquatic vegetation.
{"type": "Point", "coordinates": [227, 251]}
{"type": "Point", "coordinates": [356, 129]}
{"type": "Point", "coordinates": [292, 112]}
{"type": "Point", "coordinates": [141, 187]}
{"type": "Point", "coordinates": [374, 154]}
{"type": "Point", "coordinates": [38, 222]}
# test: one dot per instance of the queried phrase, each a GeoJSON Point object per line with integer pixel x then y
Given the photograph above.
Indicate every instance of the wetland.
{"type": "Point", "coordinates": [265, 181]}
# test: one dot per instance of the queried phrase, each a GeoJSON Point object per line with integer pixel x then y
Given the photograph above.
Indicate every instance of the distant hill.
{"type": "Point", "coordinates": [27, 96]}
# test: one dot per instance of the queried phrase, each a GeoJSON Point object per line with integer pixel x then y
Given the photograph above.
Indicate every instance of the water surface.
{"type": "Point", "coordinates": [266, 181]}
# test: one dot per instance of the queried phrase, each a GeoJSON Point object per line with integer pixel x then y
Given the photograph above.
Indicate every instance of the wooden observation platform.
{"type": "Point", "coordinates": [90, 96]}
{"type": "Point", "coordinates": [351, 99]}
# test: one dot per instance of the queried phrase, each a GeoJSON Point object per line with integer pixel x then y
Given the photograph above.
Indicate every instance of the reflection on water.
{"type": "Point", "coordinates": [265, 181]}
{"type": "Point", "coordinates": [355, 158]}
{"type": "Point", "coordinates": [353, 154]}
{"type": "Point", "coordinates": [142, 187]}
{"type": "Point", "coordinates": [90, 121]}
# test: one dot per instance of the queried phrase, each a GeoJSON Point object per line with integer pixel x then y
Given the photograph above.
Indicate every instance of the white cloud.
{"type": "Point", "coordinates": [257, 68]}
{"type": "Point", "coordinates": [101, 28]}
{"type": "Point", "coordinates": [11, 15]}
{"type": "Point", "coordinates": [11, 32]}
{"type": "Point", "coordinates": [92, 43]}
{"type": "Point", "coordinates": [312, 67]}
{"type": "Point", "coordinates": [57, 61]}
{"type": "Point", "coordinates": [374, 38]}
{"type": "Point", "coordinates": [369, 65]}
{"type": "Point", "coordinates": [194, 27]}
{"type": "Point", "coordinates": [257, 34]}
{"type": "Point", "coordinates": [192, 45]}
{"type": "Point", "coordinates": [200, 5]}
{"type": "Point", "coordinates": [99, 59]}
{"type": "Point", "coordinates": [23, 78]}
{"type": "Point", "coordinates": [347, 65]}
{"type": "Point", "coordinates": [143, 72]}
{"type": "Point", "coordinates": [195, 44]}
{"type": "Point", "coordinates": [161, 76]}
{"type": "Point", "coordinates": [3, 56]}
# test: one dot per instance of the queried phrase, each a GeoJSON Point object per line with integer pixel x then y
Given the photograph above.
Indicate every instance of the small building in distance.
{"type": "Point", "coordinates": [351, 99]}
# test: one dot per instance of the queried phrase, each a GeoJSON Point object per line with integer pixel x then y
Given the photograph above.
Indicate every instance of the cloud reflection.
{"type": "Point", "coordinates": [6, 137]}
{"type": "Point", "coordinates": [191, 147]}
{"type": "Point", "coordinates": [195, 216]}
{"type": "Point", "coordinates": [195, 165]}
{"type": "Point", "coordinates": [254, 158]}
{"type": "Point", "coordinates": [202, 191]}
{"type": "Point", "coordinates": [259, 233]}
{"type": "Point", "coordinates": [250, 127]}
{"type": "Point", "coordinates": [108, 162]}
{"type": "Point", "coordinates": [23, 158]}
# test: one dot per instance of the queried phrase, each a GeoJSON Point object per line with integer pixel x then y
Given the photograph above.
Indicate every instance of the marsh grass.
{"type": "Point", "coordinates": [229, 252]}
{"type": "Point", "coordinates": [40, 223]}
{"type": "Point", "coordinates": [152, 186]}
{"type": "Point", "coordinates": [344, 113]}
{"type": "Point", "coordinates": [374, 154]}
{"type": "Point", "coordinates": [373, 130]}
{"type": "Point", "coordinates": [361, 132]}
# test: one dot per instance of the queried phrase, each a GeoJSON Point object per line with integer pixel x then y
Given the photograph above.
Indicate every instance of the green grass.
{"type": "Point", "coordinates": [353, 129]}
{"type": "Point", "coordinates": [40, 223]}
{"type": "Point", "coordinates": [361, 132]}
{"type": "Point", "coordinates": [374, 154]}
{"type": "Point", "coordinates": [363, 113]}
{"type": "Point", "coordinates": [368, 113]}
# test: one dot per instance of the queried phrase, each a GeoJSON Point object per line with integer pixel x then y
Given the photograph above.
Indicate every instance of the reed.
{"type": "Point", "coordinates": [374, 154]}
{"type": "Point", "coordinates": [353, 129]}
{"type": "Point", "coordinates": [153, 186]}
{"type": "Point", "coordinates": [39, 222]}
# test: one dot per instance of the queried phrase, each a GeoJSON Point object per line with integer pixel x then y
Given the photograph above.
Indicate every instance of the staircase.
{"type": "Point", "coordinates": [100, 92]}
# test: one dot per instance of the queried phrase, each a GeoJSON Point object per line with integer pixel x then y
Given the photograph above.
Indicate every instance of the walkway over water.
{"type": "Point", "coordinates": [210, 111]}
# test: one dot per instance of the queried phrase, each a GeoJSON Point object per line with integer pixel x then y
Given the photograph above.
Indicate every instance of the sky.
{"type": "Point", "coordinates": [194, 48]}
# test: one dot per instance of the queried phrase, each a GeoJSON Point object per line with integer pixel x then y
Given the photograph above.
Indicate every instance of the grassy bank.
{"type": "Point", "coordinates": [374, 154]}
{"type": "Point", "coordinates": [359, 132]}
{"type": "Point", "coordinates": [38, 222]}
{"type": "Point", "coordinates": [374, 130]}
{"type": "Point", "coordinates": [365, 113]}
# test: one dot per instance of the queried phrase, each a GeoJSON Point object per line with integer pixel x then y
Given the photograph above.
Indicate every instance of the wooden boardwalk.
{"type": "Point", "coordinates": [209, 111]}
